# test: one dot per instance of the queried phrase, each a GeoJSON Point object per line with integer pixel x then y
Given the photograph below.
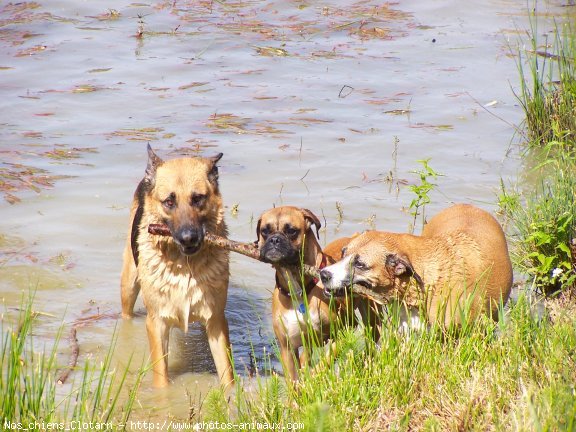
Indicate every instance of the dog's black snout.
{"type": "Point", "coordinates": [189, 236]}
{"type": "Point", "coordinates": [278, 249]}
{"type": "Point", "coordinates": [325, 276]}
{"type": "Point", "coordinates": [274, 240]}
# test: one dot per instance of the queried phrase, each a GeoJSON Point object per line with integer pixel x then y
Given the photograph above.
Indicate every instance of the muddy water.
{"type": "Point", "coordinates": [321, 105]}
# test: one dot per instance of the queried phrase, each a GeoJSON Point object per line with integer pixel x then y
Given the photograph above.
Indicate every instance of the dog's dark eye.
{"type": "Point", "coordinates": [265, 232]}
{"type": "Point", "coordinates": [198, 200]}
{"type": "Point", "coordinates": [170, 202]}
{"type": "Point", "coordinates": [359, 264]}
{"type": "Point", "coordinates": [290, 231]}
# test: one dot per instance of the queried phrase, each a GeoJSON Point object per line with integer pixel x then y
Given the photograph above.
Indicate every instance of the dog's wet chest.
{"type": "Point", "coordinates": [300, 320]}
{"type": "Point", "coordinates": [182, 290]}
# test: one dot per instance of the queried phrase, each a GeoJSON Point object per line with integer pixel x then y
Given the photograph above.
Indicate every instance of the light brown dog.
{"type": "Point", "coordinates": [182, 278]}
{"type": "Point", "coordinates": [285, 239]}
{"type": "Point", "coordinates": [461, 261]}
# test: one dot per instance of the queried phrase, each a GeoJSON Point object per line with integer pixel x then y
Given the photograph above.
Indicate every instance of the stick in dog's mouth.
{"type": "Point", "coordinates": [340, 292]}
{"type": "Point", "coordinates": [248, 249]}
{"type": "Point", "coordinates": [251, 250]}
{"type": "Point", "coordinates": [159, 229]}
{"type": "Point", "coordinates": [359, 287]}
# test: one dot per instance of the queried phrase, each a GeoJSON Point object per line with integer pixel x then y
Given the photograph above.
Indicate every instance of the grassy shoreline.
{"type": "Point", "coordinates": [542, 208]}
{"type": "Point", "coordinates": [30, 396]}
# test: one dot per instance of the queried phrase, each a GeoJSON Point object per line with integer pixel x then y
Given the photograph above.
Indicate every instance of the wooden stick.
{"type": "Point", "coordinates": [251, 250]}
{"type": "Point", "coordinates": [248, 249]}
{"type": "Point", "coordinates": [73, 356]}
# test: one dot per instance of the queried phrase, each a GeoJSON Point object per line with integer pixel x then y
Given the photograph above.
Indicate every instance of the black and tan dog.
{"type": "Point", "coordinates": [285, 239]}
{"type": "Point", "coordinates": [182, 279]}
{"type": "Point", "coordinates": [460, 261]}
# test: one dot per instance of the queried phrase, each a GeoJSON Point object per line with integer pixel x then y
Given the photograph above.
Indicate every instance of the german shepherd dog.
{"type": "Point", "coordinates": [182, 279]}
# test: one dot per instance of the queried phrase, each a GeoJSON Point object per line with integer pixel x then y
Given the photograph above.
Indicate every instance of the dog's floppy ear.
{"type": "Point", "coordinates": [153, 163]}
{"type": "Point", "coordinates": [401, 267]}
{"type": "Point", "coordinates": [312, 219]}
{"type": "Point", "coordinates": [213, 170]}
{"type": "Point", "coordinates": [258, 230]}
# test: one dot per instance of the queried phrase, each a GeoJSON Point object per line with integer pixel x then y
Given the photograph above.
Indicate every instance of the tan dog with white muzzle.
{"type": "Point", "coordinates": [285, 239]}
{"type": "Point", "coordinates": [182, 278]}
{"type": "Point", "coordinates": [461, 261]}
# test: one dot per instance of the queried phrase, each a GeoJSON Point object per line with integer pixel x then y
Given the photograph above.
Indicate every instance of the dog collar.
{"type": "Point", "coordinates": [281, 288]}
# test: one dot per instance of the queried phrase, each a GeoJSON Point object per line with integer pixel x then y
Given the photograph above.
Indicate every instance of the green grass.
{"type": "Point", "coordinates": [543, 218]}
{"type": "Point", "coordinates": [541, 209]}
{"type": "Point", "coordinates": [516, 375]}
{"type": "Point", "coordinates": [30, 394]}
{"type": "Point", "coordinates": [548, 87]}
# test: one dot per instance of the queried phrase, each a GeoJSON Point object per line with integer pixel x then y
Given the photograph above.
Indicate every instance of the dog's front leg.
{"type": "Point", "coordinates": [219, 340]}
{"type": "Point", "coordinates": [129, 286]}
{"type": "Point", "coordinates": [158, 337]}
{"type": "Point", "coordinates": [290, 358]}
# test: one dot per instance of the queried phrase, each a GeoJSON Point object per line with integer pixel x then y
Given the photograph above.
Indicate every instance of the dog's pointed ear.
{"type": "Point", "coordinates": [400, 266]}
{"type": "Point", "coordinates": [312, 220]}
{"type": "Point", "coordinates": [153, 163]}
{"type": "Point", "coordinates": [213, 169]}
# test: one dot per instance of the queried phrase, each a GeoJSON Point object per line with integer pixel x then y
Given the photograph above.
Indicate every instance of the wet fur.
{"type": "Point", "coordinates": [178, 288]}
{"type": "Point", "coordinates": [461, 253]}
{"type": "Point", "coordinates": [290, 326]}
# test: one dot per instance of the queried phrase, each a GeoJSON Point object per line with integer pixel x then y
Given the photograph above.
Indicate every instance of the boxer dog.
{"type": "Point", "coordinates": [460, 261]}
{"type": "Point", "coordinates": [300, 311]}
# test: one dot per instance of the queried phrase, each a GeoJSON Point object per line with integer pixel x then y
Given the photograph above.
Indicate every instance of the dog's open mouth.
{"type": "Point", "coordinates": [190, 250]}
{"type": "Point", "coordinates": [342, 290]}
{"type": "Point", "coordinates": [337, 292]}
{"type": "Point", "coordinates": [272, 256]}
{"type": "Point", "coordinates": [275, 256]}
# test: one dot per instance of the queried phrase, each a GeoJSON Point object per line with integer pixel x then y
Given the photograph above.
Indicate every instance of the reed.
{"type": "Point", "coordinates": [548, 87]}
{"type": "Point", "coordinates": [29, 389]}
{"type": "Point", "coordinates": [541, 209]}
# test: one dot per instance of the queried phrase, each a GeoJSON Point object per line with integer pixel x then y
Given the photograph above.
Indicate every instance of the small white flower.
{"type": "Point", "coordinates": [556, 272]}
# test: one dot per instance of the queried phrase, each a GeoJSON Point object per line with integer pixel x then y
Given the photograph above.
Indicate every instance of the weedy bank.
{"type": "Point", "coordinates": [541, 207]}
{"type": "Point", "coordinates": [31, 397]}
{"type": "Point", "coordinates": [515, 375]}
